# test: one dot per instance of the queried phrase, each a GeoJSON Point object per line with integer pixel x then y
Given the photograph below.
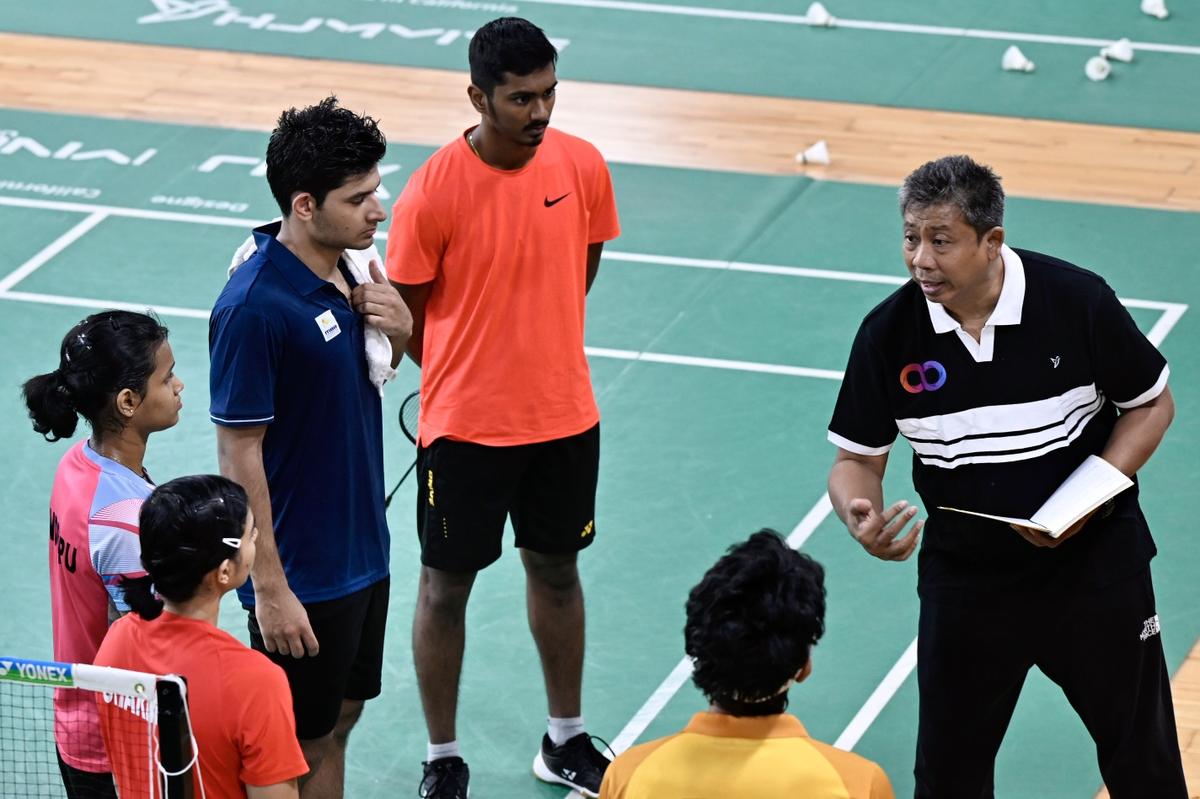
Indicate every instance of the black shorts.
{"type": "Point", "coordinates": [349, 632]}
{"type": "Point", "coordinates": [81, 784]}
{"type": "Point", "coordinates": [467, 490]}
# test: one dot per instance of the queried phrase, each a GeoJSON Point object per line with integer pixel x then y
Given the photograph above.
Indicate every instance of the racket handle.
{"type": "Point", "coordinates": [387, 502]}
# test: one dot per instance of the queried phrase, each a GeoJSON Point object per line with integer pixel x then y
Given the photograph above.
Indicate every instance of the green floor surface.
{"type": "Point", "coordinates": [693, 458]}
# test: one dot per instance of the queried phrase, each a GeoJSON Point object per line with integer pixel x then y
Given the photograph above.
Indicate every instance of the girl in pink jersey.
{"type": "Point", "coordinates": [115, 370]}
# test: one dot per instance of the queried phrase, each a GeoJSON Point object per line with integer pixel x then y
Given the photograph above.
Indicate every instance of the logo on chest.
{"type": "Point", "coordinates": [927, 376]}
{"type": "Point", "coordinates": [328, 325]}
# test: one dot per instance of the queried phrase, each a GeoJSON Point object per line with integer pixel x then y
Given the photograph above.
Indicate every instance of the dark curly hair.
{"type": "Point", "coordinates": [318, 148]}
{"type": "Point", "coordinates": [752, 622]}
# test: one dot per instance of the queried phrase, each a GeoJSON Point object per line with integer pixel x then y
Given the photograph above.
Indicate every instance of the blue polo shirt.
{"type": "Point", "coordinates": [286, 351]}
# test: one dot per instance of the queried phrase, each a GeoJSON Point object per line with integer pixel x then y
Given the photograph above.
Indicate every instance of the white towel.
{"type": "Point", "coordinates": [378, 347]}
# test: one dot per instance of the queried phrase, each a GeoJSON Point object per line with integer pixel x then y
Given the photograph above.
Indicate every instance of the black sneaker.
{"type": "Point", "coordinates": [576, 764]}
{"type": "Point", "coordinates": [445, 778]}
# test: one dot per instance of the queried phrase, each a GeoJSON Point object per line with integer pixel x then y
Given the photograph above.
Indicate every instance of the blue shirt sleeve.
{"type": "Point", "coordinates": [244, 351]}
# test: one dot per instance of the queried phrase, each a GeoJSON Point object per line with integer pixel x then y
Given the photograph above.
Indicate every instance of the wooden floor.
{"type": "Point", "coordinates": [869, 144]}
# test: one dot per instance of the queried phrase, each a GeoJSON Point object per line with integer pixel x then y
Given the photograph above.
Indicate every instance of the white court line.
{"type": "Point", "coordinates": [1165, 323]}
{"type": "Point", "coordinates": [50, 250]}
{"type": "Point", "coordinates": [861, 24]}
{"type": "Point", "coordinates": [714, 363]}
{"type": "Point", "coordinates": [131, 213]}
{"type": "Point", "coordinates": [765, 269]}
{"type": "Point", "coordinates": [1172, 311]}
{"type": "Point", "coordinates": [1176, 308]}
{"type": "Point", "coordinates": [878, 699]}
{"type": "Point", "coordinates": [596, 352]}
{"type": "Point", "coordinates": [683, 670]}
{"type": "Point", "coordinates": [85, 302]}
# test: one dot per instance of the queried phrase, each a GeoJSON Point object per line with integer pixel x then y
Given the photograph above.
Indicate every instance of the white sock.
{"type": "Point", "coordinates": [438, 751]}
{"type": "Point", "coordinates": [563, 730]}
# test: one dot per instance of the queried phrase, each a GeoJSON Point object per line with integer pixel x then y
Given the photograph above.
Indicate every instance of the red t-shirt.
{"type": "Point", "coordinates": [240, 706]}
{"type": "Point", "coordinates": [506, 251]}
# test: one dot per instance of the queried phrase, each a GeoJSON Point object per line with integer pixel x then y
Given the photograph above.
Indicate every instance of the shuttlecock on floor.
{"type": "Point", "coordinates": [1120, 50]}
{"type": "Point", "coordinates": [1097, 68]}
{"type": "Point", "coordinates": [1015, 61]}
{"type": "Point", "coordinates": [818, 16]}
{"type": "Point", "coordinates": [817, 154]}
{"type": "Point", "coordinates": [1155, 8]}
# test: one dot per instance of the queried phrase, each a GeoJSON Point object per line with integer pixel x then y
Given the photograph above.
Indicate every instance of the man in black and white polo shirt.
{"type": "Point", "coordinates": [1005, 369]}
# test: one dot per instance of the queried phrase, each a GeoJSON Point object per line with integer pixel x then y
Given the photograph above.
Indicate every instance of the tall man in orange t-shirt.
{"type": "Point", "coordinates": [493, 245]}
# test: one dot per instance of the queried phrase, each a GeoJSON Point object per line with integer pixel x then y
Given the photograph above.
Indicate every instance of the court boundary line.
{"type": "Point", "coordinates": [898, 674]}
{"type": "Point", "coordinates": [864, 24]}
{"type": "Point", "coordinates": [52, 249]}
{"type": "Point", "coordinates": [1172, 311]}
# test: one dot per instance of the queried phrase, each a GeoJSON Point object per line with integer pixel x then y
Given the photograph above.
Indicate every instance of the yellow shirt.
{"type": "Point", "coordinates": [731, 757]}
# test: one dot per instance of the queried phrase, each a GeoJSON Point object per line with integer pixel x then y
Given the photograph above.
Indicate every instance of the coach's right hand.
{"type": "Point", "coordinates": [283, 623]}
{"type": "Point", "coordinates": [877, 532]}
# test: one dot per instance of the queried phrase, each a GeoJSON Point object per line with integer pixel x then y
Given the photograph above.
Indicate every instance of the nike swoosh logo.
{"type": "Point", "coordinates": [548, 202]}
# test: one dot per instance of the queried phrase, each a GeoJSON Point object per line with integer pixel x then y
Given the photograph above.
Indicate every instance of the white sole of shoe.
{"type": "Point", "coordinates": [543, 773]}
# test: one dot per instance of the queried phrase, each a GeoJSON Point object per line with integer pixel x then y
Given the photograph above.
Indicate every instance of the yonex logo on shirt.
{"type": "Point", "coordinates": [918, 377]}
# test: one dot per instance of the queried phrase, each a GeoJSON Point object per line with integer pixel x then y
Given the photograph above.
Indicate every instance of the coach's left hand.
{"type": "Point", "coordinates": [381, 306]}
{"type": "Point", "coordinates": [1040, 539]}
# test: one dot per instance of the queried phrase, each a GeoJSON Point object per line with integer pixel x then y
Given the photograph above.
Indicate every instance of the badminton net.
{"type": "Point", "coordinates": [147, 730]}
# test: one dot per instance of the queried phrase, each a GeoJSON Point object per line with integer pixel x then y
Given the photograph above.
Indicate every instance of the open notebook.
{"type": "Point", "coordinates": [1095, 482]}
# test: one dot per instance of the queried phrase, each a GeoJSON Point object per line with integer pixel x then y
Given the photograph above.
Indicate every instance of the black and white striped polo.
{"type": "Point", "coordinates": [997, 424]}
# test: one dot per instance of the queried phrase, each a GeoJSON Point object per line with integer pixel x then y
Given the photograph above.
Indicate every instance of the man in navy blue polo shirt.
{"type": "Point", "coordinates": [299, 425]}
{"type": "Point", "coordinates": [1005, 369]}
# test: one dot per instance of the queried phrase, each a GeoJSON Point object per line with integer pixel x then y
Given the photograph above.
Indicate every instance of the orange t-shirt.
{"type": "Point", "coordinates": [718, 756]}
{"type": "Point", "coordinates": [506, 251]}
{"type": "Point", "coordinates": [239, 702]}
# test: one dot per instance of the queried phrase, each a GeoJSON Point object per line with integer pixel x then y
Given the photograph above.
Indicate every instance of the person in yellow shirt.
{"type": "Point", "coordinates": [751, 625]}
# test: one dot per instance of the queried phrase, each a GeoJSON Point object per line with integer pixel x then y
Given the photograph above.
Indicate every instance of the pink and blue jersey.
{"type": "Point", "coordinates": [93, 544]}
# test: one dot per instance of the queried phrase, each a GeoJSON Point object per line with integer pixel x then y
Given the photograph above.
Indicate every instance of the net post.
{"type": "Point", "coordinates": [174, 741]}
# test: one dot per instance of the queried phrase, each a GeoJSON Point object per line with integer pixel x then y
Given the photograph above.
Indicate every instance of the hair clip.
{"type": "Point", "coordinates": [236, 543]}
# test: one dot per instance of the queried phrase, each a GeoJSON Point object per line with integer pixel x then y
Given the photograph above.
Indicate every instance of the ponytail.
{"type": "Point", "coordinates": [139, 595]}
{"type": "Point", "coordinates": [50, 407]}
{"type": "Point", "coordinates": [99, 357]}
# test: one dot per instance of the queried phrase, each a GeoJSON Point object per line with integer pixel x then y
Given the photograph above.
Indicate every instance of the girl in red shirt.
{"type": "Point", "coordinates": [197, 536]}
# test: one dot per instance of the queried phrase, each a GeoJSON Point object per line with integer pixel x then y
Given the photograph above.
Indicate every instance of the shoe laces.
{"type": "Point", "coordinates": [444, 776]}
{"type": "Point", "coordinates": [592, 753]}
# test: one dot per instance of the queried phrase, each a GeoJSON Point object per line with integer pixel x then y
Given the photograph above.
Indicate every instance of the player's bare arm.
{"type": "Point", "coordinates": [381, 307]}
{"type": "Point", "coordinates": [280, 790]}
{"type": "Point", "coordinates": [856, 492]}
{"type": "Point", "coordinates": [593, 262]}
{"type": "Point", "coordinates": [1138, 433]}
{"type": "Point", "coordinates": [281, 617]}
{"type": "Point", "coordinates": [415, 296]}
